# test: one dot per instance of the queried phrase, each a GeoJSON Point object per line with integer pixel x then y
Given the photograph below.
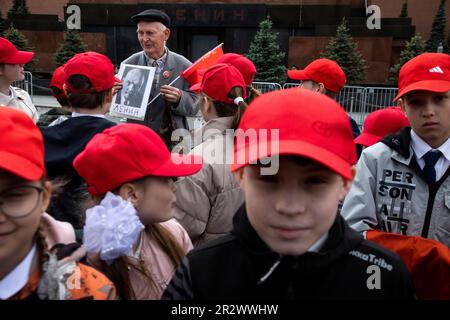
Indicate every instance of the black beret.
{"type": "Point", "coordinates": [152, 15]}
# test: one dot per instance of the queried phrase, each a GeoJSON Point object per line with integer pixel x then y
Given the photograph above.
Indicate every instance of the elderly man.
{"type": "Point", "coordinates": [169, 111]}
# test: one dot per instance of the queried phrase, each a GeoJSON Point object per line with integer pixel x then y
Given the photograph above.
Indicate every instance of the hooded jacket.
{"type": "Point", "coordinates": [241, 266]}
{"type": "Point", "coordinates": [390, 194]}
{"type": "Point", "coordinates": [62, 144]}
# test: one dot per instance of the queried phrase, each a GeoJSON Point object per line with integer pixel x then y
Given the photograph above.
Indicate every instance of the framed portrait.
{"type": "Point", "coordinates": [131, 101]}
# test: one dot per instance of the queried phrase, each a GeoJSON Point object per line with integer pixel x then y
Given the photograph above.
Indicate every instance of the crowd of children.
{"type": "Point", "coordinates": [94, 210]}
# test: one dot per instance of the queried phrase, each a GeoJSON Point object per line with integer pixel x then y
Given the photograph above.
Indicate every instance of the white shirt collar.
{"type": "Point", "coordinates": [18, 277]}
{"type": "Point", "coordinates": [420, 147]}
{"type": "Point", "coordinates": [150, 60]}
{"type": "Point", "coordinates": [76, 114]}
{"type": "Point", "coordinates": [12, 93]}
{"type": "Point", "coordinates": [318, 244]}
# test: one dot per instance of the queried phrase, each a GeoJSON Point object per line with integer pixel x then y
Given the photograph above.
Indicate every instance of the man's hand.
{"type": "Point", "coordinates": [171, 94]}
{"type": "Point", "coordinates": [117, 86]}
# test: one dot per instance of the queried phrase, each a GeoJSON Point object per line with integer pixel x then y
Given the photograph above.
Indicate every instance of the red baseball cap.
{"type": "Point", "coordinates": [380, 123]}
{"type": "Point", "coordinates": [94, 66]}
{"type": "Point", "coordinates": [21, 145]}
{"type": "Point", "coordinates": [10, 55]}
{"type": "Point", "coordinates": [244, 65]}
{"type": "Point", "coordinates": [218, 81]}
{"type": "Point", "coordinates": [310, 125]}
{"type": "Point", "coordinates": [323, 71]}
{"type": "Point", "coordinates": [58, 78]}
{"type": "Point", "coordinates": [196, 87]}
{"type": "Point", "coordinates": [57, 81]}
{"type": "Point", "coordinates": [127, 152]}
{"type": "Point", "coordinates": [428, 71]}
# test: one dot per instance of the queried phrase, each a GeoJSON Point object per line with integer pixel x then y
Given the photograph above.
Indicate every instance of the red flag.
{"type": "Point", "coordinates": [192, 75]}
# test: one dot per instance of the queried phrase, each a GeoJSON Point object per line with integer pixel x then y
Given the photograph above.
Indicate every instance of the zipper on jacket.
{"type": "Point", "coordinates": [430, 204]}
{"type": "Point", "coordinates": [433, 190]}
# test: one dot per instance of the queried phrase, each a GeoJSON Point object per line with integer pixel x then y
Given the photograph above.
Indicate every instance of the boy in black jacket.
{"type": "Point", "coordinates": [88, 84]}
{"type": "Point", "coordinates": [288, 241]}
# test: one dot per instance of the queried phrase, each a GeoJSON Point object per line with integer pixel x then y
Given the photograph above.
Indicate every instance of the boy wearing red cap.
{"type": "Point", "coordinates": [325, 76]}
{"type": "Point", "coordinates": [207, 200]}
{"type": "Point", "coordinates": [12, 62]}
{"type": "Point", "coordinates": [131, 234]}
{"type": "Point", "coordinates": [380, 123]}
{"type": "Point", "coordinates": [288, 242]}
{"type": "Point", "coordinates": [57, 115]}
{"type": "Point", "coordinates": [31, 267]}
{"type": "Point", "coordinates": [88, 84]}
{"type": "Point", "coordinates": [403, 182]}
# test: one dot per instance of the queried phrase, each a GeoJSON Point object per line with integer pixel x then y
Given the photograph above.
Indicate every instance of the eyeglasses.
{"type": "Point", "coordinates": [20, 202]}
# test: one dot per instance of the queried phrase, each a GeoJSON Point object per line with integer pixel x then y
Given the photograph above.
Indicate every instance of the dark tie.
{"type": "Point", "coordinates": [431, 157]}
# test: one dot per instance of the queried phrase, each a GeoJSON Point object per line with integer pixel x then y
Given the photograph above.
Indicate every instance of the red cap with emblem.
{"type": "Point", "coordinates": [297, 122]}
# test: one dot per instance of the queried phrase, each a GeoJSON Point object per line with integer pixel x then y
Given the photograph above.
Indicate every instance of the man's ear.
{"type": "Point", "coordinates": [206, 104]}
{"type": "Point", "coordinates": [347, 184]}
{"type": "Point", "coordinates": [47, 195]}
{"type": "Point", "coordinates": [402, 104]}
{"type": "Point", "coordinates": [129, 191]}
{"type": "Point", "coordinates": [66, 92]}
{"type": "Point", "coordinates": [167, 34]}
{"type": "Point", "coordinates": [239, 176]}
{"type": "Point", "coordinates": [322, 88]}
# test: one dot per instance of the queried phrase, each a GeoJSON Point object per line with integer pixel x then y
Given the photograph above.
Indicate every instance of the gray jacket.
{"type": "Point", "coordinates": [187, 106]}
{"type": "Point", "coordinates": [389, 193]}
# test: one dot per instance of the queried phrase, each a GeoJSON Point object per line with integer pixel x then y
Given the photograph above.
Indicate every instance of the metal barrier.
{"type": "Point", "coordinates": [265, 87]}
{"type": "Point", "coordinates": [357, 101]}
{"type": "Point", "coordinates": [26, 84]}
{"type": "Point", "coordinates": [352, 99]}
{"type": "Point", "coordinates": [288, 85]}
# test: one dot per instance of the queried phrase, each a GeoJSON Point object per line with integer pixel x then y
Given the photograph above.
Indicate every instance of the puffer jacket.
{"type": "Point", "coordinates": [21, 101]}
{"type": "Point", "coordinates": [389, 193]}
{"type": "Point", "coordinates": [207, 200]}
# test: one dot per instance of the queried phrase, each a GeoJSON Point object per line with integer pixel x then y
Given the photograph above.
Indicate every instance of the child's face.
{"type": "Point", "coordinates": [429, 114]}
{"type": "Point", "coordinates": [155, 199]}
{"type": "Point", "coordinates": [12, 72]}
{"type": "Point", "coordinates": [294, 208]}
{"type": "Point", "coordinates": [21, 208]}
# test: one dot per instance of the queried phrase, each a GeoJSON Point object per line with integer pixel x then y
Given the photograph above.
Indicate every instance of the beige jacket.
{"type": "Point", "coordinates": [21, 101]}
{"type": "Point", "coordinates": [207, 200]}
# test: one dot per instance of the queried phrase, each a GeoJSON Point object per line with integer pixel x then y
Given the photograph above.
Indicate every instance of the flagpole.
{"type": "Point", "coordinates": [159, 93]}
{"type": "Point", "coordinates": [199, 59]}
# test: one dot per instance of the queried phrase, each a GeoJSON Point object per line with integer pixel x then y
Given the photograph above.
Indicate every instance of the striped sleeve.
{"type": "Point", "coordinates": [180, 287]}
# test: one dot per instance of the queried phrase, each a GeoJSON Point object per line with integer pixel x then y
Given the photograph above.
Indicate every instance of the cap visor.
{"type": "Point", "coordinates": [21, 57]}
{"type": "Point", "coordinates": [367, 139]}
{"type": "Point", "coordinates": [297, 75]}
{"type": "Point", "coordinates": [427, 85]}
{"type": "Point", "coordinates": [196, 87]}
{"type": "Point", "coordinates": [295, 148]}
{"type": "Point", "coordinates": [179, 165]}
{"type": "Point", "coordinates": [20, 167]}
